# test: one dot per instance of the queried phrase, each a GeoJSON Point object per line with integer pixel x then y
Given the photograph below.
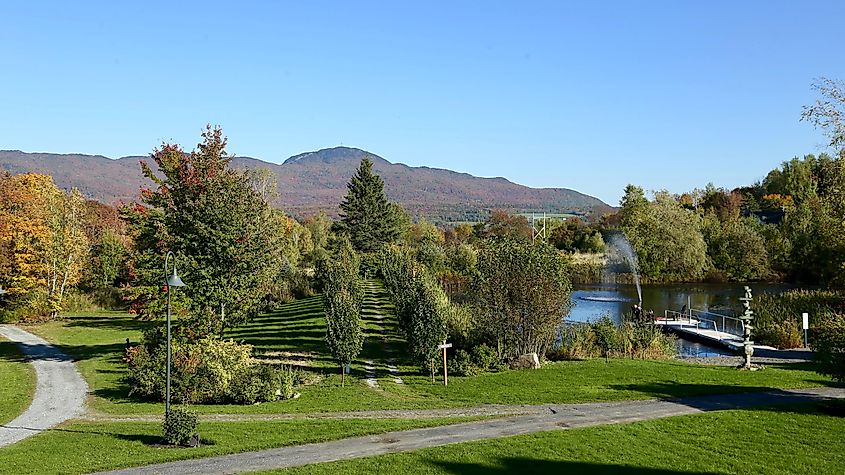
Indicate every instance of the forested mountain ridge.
{"type": "Point", "coordinates": [312, 181]}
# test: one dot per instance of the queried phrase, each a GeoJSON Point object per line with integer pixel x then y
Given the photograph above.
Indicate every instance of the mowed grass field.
{"type": "Point", "coordinates": [295, 332]}
{"type": "Point", "coordinates": [799, 440]}
{"type": "Point", "coordinates": [17, 381]}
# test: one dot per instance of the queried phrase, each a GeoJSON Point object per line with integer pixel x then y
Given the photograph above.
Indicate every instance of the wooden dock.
{"type": "Point", "coordinates": [707, 327]}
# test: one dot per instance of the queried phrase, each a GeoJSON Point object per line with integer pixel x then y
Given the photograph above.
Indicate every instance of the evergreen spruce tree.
{"type": "Point", "coordinates": [367, 217]}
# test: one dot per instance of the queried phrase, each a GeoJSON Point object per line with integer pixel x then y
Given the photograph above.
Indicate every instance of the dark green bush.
{"type": "Point", "coordinates": [829, 344]}
{"type": "Point", "coordinates": [258, 383]}
{"type": "Point", "coordinates": [485, 358]}
{"type": "Point", "coordinates": [461, 364]}
{"type": "Point", "coordinates": [607, 335]}
{"type": "Point", "coordinates": [179, 426]}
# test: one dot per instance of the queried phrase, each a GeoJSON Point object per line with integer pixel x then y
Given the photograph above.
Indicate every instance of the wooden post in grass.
{"type": "Point", "coordinates": [445, 373]}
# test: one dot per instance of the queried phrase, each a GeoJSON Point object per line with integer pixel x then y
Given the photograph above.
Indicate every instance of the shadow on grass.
{"type": "Point", "coordinates": [145, 439]}
{"type": "Point", "coordinates": [672, 389]}
{"type": "Point", "coordinates": [528, 465]}
{"type": "Point", "coordinates": [117, 322]}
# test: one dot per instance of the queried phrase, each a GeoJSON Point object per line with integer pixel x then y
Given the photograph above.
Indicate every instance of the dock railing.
{"type": "Point", "coordinates": [704, 319]}
{"type": "Point", "coordinates": [731, 325]}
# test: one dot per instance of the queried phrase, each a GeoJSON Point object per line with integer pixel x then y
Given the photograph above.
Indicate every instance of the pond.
{"type": "Point", "coordinates": [592, 301]}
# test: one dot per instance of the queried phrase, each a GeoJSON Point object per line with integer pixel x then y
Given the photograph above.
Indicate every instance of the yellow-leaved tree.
{"type": "Point", "coordinates": [42, 242]}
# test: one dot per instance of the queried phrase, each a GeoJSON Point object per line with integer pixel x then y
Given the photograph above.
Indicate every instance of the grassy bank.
{"type": "Point", "coordinates": [782, 440]}
{"type": "Point", "coordinates": [17, 381]}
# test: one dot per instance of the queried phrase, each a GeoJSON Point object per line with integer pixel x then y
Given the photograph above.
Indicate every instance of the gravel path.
{"type": "Point", "coordinates": [556, 417]}
{"type": "Point", "coordinates": [59, 392]}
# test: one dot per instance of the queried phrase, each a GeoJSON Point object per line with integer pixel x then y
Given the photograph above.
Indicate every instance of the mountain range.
{"type": "Point", "coordinates": [314, 181]}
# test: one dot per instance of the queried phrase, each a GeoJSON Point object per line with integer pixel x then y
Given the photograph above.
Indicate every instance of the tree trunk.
{"type": "Point", "coordinates": [342, 375]}
{"type": "Point", "coordinates": [222, 319]}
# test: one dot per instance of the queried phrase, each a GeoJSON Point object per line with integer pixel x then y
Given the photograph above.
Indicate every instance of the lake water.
{"type": "Point", "coordinates": [592, 301]}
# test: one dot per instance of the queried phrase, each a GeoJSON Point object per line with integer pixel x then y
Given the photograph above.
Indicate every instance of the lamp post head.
{"type": "Point", "coordinates": [174, 280]}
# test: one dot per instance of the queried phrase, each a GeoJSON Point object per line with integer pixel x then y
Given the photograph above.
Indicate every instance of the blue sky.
{"type": "Point", "coordinates": [584, 95]}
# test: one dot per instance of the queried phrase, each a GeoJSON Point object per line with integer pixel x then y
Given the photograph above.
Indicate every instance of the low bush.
{"type": "Point", "coordinates": [607, 335]}
{"type": "Point", "coordinates": [105, 298]}
{"type": "Point", "coordinates": [829, 344]}
{"type": "Point", "coordinates": [576, 341]}
{"type": "Point", "coordinates": [205, 371]}
{"type": "Point", "coordinates": [179, 426]}
{"type": "Point", "coordinates": [777, 317]}
{"type": "Point", "coordinates": [605, 338]}
{"type": "Point", "coordinates": [485, 358]}
{"type": "Point", "coordinates": [461, 364]}
{"type": "Point", "coordinates": [785, 334]}
{"type": "Point", "coordinates": [480, 359]}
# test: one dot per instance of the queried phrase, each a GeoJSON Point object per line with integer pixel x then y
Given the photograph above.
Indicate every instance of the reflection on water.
{"type": "Point", "coordinates": [591, 302]}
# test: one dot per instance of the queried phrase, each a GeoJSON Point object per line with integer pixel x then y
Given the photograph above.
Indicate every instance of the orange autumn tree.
{"type": "Point", "coordinates": [42, 242]}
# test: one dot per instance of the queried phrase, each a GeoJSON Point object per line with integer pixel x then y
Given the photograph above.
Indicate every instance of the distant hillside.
{"type": "Point", "coordinates": [312, 181]}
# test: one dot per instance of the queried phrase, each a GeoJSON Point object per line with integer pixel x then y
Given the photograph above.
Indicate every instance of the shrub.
{"type": "Point", "coordinates": [774, 315]}
{"type": "Point", "coordinates": [785, 334]}
{"type": "Point", "coordinates": [485, 358]}
{"type": "Point", "coordinates": [644, 341]}
{"type": "Point", "coordinates": [577, 341]}
{"type": "Point", "coordinates": [206, 371]}
{"type": "Point", "coordinates": [288, 379]}
{"type": "Point", "coordinates": [459, 324]}
{"type": "Point", "coordinates": [461, 364]}
{"type": "Point", "coordinates": [180, 425]}
{"type": "Point", "coordinates": [607, 336]}
{"type": "Point", "coordinates": [603, 337]}
{"type": "Point", "coordinates": [256, 384]}
{"type": "Point", "coordinates": [829, 343]}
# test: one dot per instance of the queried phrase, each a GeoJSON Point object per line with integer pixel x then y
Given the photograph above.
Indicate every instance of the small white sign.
{"type": "Point", "coordinates": [445, 345]}
{"type": "Point", "coordinates": [806, 319]}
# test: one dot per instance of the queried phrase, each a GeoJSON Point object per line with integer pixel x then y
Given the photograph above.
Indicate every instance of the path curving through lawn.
{"type": "Point", "coordinates": [60, 391]}
{"type": "Point", "coordinates": [564, 416]}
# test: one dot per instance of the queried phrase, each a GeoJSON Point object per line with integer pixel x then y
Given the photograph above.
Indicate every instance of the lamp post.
{"type": "Point", "coordinates": [171, 280]}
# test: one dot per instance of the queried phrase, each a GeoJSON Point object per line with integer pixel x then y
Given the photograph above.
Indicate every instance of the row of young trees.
{"type": "Point", "coordinates": [512, 293]}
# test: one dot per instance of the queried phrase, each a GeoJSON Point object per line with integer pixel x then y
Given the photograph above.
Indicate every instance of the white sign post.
{"type": "Point", "coordinates": [806, 320]}
{"type": "Point", "coordinates": [445, 374]}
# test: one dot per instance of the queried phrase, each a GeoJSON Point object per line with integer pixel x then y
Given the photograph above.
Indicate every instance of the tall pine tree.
{"type": "Point", "coordinates": [367, 217]}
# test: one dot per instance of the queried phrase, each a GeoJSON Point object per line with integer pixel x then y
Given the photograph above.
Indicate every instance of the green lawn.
{"type": "Point", "coordinates": [79, 447]}
{"type": "Point", "coordinates": [295, 333]}
{"type": "Point", "coordinates": [784, 440]}
{"type": "Point", "coordinates": [17, 381]}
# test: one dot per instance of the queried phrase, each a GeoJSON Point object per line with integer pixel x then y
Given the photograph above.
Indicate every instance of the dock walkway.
{"type": "Point", "coordinates": [708, 327]}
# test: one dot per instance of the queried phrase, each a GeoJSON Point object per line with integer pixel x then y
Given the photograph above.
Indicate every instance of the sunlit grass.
{"type": "Point", "coordinates": [296, 331]}
{"type": "Point", "coordinates": [17, 381]}
{"type": "Point", "coordinates": [781, 440]}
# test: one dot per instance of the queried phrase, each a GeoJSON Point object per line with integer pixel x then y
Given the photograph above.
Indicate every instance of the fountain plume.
{"type": "Point", "coordinates": [619, 243]}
